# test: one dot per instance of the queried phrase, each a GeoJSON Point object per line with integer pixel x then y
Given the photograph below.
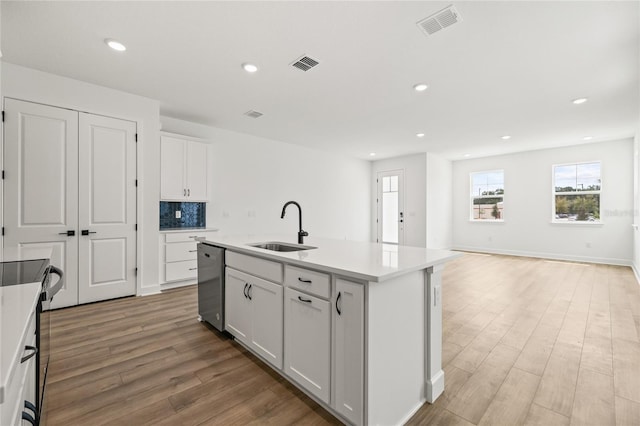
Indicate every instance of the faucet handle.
{"type": "Point", "coordinates": [303, 233]}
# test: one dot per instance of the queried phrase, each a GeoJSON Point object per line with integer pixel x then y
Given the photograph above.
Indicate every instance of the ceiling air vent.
{"type": "Point", "coordinates": [305, 63]}
{"type": "Point", "coordinates": [439, 20]}
{"type": "Point", "coordinates": [253, 114]}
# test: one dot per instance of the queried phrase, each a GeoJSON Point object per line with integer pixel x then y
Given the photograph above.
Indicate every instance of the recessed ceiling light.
{"type": "Point", "coordinates": [587, 138]}
{"type": "Point", "coordinates": [373, 154]}
{"type": "Point", "coordinates": [579, 101]}
{"type": "Point", "coordinates": [249, 67]}
{"type": "Point", "coordinates": [420, 87]}
{"type": "Point", "coordinates": [505, 137]}
{"type": "Point", "coordinates": [115, 45]}
{"type": "Point", "coordinates": [420, 135]}
{"type": "Point", "coordinates": [467, 155]}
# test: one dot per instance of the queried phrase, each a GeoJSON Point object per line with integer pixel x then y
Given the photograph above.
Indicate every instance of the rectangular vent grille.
{"type": "Point", "coordinates": [305, 63]}
{"type": "Point", "coordinates": [253, 114]}
{"type": "Point", "coordinates": [439, 20]}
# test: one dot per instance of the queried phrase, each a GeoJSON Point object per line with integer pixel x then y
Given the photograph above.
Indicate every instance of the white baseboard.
{"type": "Point", "coordinates": [553, 256]}
{"type": "Point", "coordinates": [635, 272]}
{"type": "Point", "coordinates": [146, 291]}
{"type": "Point", "coordinates": [176, 284]}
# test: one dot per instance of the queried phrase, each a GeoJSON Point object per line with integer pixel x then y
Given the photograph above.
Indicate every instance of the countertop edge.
{"type": "Point", "coordinates": [343, 272]}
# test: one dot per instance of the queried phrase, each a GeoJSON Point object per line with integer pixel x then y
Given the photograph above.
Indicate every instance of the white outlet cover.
{"type": "Point", "coordinates": [178, 214]}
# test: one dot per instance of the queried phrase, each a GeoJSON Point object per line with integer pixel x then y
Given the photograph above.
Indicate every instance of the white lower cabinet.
{"type": "Point", "coordinates": [348, 346]}
{"type": "Point", "coordinates": [253, 314]}
{"type": "Point", "coordinates": [307, 342]}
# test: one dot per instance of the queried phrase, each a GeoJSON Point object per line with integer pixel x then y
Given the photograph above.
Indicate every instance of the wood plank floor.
{"type": "Point", "coordinates": [526, 341]}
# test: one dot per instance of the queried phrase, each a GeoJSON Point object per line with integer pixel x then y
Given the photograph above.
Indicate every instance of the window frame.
{"type": "Point", "coordinates": [473, 197]}
{"type": "Point", "coordinates": [556, 221]}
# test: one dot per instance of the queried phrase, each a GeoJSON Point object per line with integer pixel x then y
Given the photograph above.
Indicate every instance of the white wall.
{"type": "Point", "coordinates": [36, 86]}
{"type": "Point", "coordinates": [636, 205]}
{"type": "Point", "coordinates": [415, 196]}
{"type": "Point", "coordinates": [439, 202]}
{"type": "Point", "coordinates": [253, 177]}
{"type": "Point", "coordinates": [527, 228]}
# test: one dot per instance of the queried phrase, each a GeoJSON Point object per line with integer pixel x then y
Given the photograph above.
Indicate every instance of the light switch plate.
{"type": "Point", "coordinates": [178, 214]}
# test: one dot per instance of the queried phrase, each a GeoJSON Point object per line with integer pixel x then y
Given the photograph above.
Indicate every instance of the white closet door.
{"type": "Point", "coordinates": [107, 208]}
{"type": "Point", "coordinates": [41, 186]}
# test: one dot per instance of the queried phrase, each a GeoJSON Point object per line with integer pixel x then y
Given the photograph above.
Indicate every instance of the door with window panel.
{"type": "Point", "coordinates": [390, 207]}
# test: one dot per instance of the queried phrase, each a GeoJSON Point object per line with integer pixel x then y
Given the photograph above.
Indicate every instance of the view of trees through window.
{"type": "Point", "coordinates": [576, 195]}
{"type": "Point", "coordinates": [487, 195]}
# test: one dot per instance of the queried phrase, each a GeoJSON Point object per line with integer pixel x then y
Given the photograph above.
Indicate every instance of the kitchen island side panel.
{"type": "Point", "coordinates": [395, 349]}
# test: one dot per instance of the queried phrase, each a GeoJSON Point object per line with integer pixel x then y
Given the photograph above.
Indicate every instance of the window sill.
{"type": "Point", "coordinates": [486, 221]}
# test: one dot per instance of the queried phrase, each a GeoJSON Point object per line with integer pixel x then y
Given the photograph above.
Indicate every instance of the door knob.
{"type": "Point", "coordinates": [86, 232]}
{"type": "Point", "coordinates": [69, 233]}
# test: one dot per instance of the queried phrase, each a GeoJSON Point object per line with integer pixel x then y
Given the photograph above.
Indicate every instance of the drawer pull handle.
{"type": "Point", "coordinates": [249, 291]}
{"type": "Point", "coordinates": [304, 281]}
{"type": "Point", "coordinates": [193, 251]}
{"type": "Point", "coordinates": [337, 299]}
{"type": "Point", "coordinates": [28, 417]}
{"type": "Point", "coordinates": [193, 269]}
{"type": "Point", "coordinates": [304, 300]}
{"type": "Point", "coordinates": [31, 355]}
{"type": "Point", "coordinates": [245, 290]}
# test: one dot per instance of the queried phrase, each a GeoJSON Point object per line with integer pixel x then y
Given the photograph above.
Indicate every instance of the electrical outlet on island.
{"type": "Point", "coordinates": [178, 214]}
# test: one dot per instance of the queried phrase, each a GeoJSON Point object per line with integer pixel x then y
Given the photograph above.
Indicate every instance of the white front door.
{"type": "Point", "coordinates": [390, 208]}
{"type": "Point", "coordinates": [41, 186]}
{"type": "Point", "coordinates": [107, 208]}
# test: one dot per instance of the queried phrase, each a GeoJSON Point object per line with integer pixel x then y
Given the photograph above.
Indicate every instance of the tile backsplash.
{"type": "Point", "coordinates": [192, 215]}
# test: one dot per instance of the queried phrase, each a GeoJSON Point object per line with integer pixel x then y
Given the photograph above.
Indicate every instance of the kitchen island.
{"type": "Point", "coordinates": [356, 325]}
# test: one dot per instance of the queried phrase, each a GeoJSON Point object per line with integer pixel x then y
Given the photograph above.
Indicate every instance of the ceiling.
{"type": "Point", "coordinates": [509, 68]}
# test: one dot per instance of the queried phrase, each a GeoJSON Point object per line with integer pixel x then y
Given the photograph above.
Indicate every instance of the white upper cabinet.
{"type": "Point", "coordinates": [183, 169]}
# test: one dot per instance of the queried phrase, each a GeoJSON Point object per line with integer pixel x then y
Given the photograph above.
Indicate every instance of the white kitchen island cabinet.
{"type": "Point", "coordinates": [362, 321]}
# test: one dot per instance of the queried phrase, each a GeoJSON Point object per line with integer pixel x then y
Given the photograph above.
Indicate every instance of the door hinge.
{"type": "Point", "coordinates": [136, 271]}
{"type": "Point", "coordinates": [136, 226]}
{"type": "Point", "coordinates": [136, 182]}
{"type": "Point", "coordinates": [136, 137]}
{"type": "Point", "coordinates": [3, 116]}
{"type": "Point", "coordinates": [3, 175]}
{"type": "Point", "coordinates": [3, 230]}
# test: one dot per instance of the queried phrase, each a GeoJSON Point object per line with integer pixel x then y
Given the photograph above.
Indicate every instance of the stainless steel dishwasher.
{"type": "Point", "coordinates": [211, 285]}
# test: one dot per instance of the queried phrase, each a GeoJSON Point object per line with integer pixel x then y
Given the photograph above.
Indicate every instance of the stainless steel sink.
{"type": "Point", "coordinates": [280, 246]}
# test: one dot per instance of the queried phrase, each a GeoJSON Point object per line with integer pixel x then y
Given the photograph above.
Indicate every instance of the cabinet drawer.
{"type": "Point", "coordinates": [312, 282]}
{"type": "Point", "coordinates": [181, 237]}
{"type": "Point", "coordinates": [177, 252]}
{"type": "Point", "coordinates": [181, 270]}
{"type": "Point", "coordinates": [255, 266]}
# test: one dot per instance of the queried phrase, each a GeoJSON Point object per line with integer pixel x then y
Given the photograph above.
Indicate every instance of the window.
{"type": "Point", "coordinates": [576, 192]}
{"type": "Point", "coordinates": [487, 195]}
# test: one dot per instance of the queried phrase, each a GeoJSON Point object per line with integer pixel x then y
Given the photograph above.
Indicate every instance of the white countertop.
{"type": "Point", "coordinates": [178, 230]}
{"type": "Point", "coordinates": [361, 260]}
{"type": "Point", "coordinates": [17, 303]}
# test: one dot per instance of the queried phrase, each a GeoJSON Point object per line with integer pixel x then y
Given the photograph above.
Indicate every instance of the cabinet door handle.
{"type": "Point", "coordinates": [304, 300]}
{"type": "Point", "coordinates": [87, 232]}
{"type": "Point", "coordinates": [304, 281]}
{"type": "Point", "coordinates": [249, 291]}
{"type": "Point", "coordinates": [31, 355]}
{"type": "Point", "coordinates": [29, 406]}
{"type": "Point", "coordinates": [189, 192]}
{"type": "Point", "coordinates": [245, 290]}
{"type": "Point", "coordinates": [193, 251]}
{"type": "Point", "coordinates": [337, 307]}
{"type": "Point", "coordinates": [193, 269]}
{"type": "Point", "coordinates": [69, 233]}
{"type": "Point", "coordinates": [28, 417]}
